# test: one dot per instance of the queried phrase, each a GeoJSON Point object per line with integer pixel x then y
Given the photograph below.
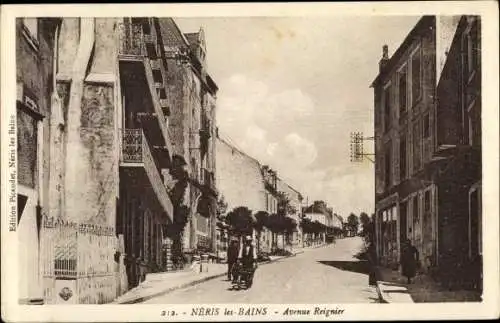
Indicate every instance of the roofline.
{"type": "Point", "coordinates": [180, 31]}
{"type": "Point", "coordinates": [424, 21]}
{"type": "Point", "coordinates": [289, 186]}
{"type": "Point", "coordinates": [257, 162]}
{"type": "Point", "coordinates": [240, 151]}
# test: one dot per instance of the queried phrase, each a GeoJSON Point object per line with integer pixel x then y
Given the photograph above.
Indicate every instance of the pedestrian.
{"type": "Point", "coordinates": [247, 258]}
{"type": "Point", "coordinates": [232, 257]}
{"type": "Point", "coordinates": [372, 263]}
{"type": "Point", "coordinates": [409, 260]}
{"type": "Point", "coordinates": [247, 254]}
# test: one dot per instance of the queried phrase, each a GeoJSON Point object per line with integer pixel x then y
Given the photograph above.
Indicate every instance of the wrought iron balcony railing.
{"type": "Point", "coordinates": [131, 40]}
{"type": "Point", "coordinates": [135, 149]}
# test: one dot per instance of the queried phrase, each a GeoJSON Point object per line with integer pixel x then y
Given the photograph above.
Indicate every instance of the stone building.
{"type": "Point", "coordinates": [428, 146]}
{"type": "Point", "coordinates": [296, 199]}
{"type": "Point", "coordinates": [192, 106]}
{"type": "Point", "coordinates": [458, 147]}
{"type": "Point", "coordinates": [103, 153]}
{"type": "Point", "coordinates": [35, 55]}
{"type": "Point", "coordinates": [239, 178]}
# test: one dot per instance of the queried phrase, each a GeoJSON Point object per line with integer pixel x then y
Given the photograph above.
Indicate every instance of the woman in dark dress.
{"type": "Point", "coordinates": [409, 260]}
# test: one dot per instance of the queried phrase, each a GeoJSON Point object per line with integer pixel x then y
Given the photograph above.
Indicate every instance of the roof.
{"type": "Point", "coordinates": [239, 151]}
{"type": "Point", "coordinates": [422, 24]}
{"type": "Point", "coordinates": [171, 34]}
{"type": "Point", "coordinates": [192, 38]}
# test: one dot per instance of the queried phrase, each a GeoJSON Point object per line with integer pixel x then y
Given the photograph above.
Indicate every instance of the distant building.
{"type": "Point", "coordinates": [239, 178]}
{"type": "Point", "coordinates": [296, 200]}
{"type": "Point", "coordinates": [428, 149]}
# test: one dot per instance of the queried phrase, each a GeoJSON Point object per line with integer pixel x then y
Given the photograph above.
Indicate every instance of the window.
{"type": "Point", "coordinates": [201, 223]}
{"type": "Point", "coordinates": [470, 50]}
{"type": "Point", "coordinates": [427, 126]}
{"type": "Point", "coordinates": [387, 107]}
{"type": "Point", "coordinates": [474, 128]}
{"type": "Point", "coordinates": [427, 201]}
{"type": "Point", "coordinates": [416, 210]}
{"type": "Point", "coordinates": [27, 148]}
{"type": "Point", "coordinates": [416, 146]}
{"type": "Point", "coordinates": [416, 70]}
{"type": "Point", "coordinates": [388, 169]}
{"type": "Point", "coordinates": [402, 86]}
{"type": "Point", "coordinates": [402, 157]}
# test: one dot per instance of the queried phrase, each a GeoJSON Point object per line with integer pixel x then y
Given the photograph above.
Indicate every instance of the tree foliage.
{"type": "Point", "coordinates": [353, 222]}
{"type": "Point", "coordinates": [240, 220]}
{"type": "Point", "coordinates": [284, 205]}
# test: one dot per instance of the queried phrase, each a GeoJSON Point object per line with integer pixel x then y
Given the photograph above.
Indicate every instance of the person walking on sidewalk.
{"type": "Point", "coordinates": [232, 257]}
{"type": "Point", "coordinates": [409, 260]}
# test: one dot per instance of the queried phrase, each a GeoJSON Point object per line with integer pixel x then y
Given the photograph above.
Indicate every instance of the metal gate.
{"type": "Point", "coordinates": [77, 262]}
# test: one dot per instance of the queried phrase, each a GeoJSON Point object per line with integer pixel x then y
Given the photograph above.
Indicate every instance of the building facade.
{"type": "Point", "coordinates": [240, 182]}
{"type": "Point", "coordinates": [192, 105]}
{"type": "Point", "coordinates": [95, 156]}
{"type": "Point", "coordinates": [35, 43]}
{"type": "Point", "coordinates": [296, 199]}
{"type": "Point", "coordinates": [424, 167]}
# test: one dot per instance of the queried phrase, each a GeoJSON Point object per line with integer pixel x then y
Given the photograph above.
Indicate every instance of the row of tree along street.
{"type": "Point", "coordinates": [241, 221]}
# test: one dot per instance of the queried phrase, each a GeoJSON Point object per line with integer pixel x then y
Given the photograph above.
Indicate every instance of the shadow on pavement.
{"type": "Point", "coordinates": [393, 284]}
{"type": "Point", "coordinates": [396, 291]}
{"type": "Point", "coordinates": [361, 267]}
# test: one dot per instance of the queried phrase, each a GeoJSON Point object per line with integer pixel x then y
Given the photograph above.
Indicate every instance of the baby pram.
{"type": "Point", "coordinates": [243, 275]}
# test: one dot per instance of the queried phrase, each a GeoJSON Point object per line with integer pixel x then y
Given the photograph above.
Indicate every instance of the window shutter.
{"type": "Point", "coordinates": [395, 158]}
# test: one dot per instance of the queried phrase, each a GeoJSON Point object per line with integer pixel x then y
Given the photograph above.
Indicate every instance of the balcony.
{"type": "Point", "coordinates": [136, 155]}
{"type": "Point", "coordinates": [151, 41]}
{"type": "Point", "coordinates": [156, 64]}
{"type": "Point", "coordinates": [131, 41]}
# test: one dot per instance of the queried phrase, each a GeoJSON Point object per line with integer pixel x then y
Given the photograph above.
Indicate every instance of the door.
{"type": "Point", "coordinates": [474, 224]}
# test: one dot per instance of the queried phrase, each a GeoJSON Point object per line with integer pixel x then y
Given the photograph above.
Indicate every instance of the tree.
{"type": "Point", "coordinates": [240, 220]}
{"type": "Point", "coordinates": [289, 227]}
{"type": "Point", "coordinates": [261, 221]}
{"type": "Point", "coordinates": [274, 225]}
{"type": "Point", "coordinates": [284, 208]}
{"type": "Point", "coordinates": [353, 222]}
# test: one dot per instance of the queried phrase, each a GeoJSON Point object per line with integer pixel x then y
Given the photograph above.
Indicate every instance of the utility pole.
{"type": "Point", "coordinates": [356, 148]}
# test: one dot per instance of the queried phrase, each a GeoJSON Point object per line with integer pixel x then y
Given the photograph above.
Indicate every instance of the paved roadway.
{"type": "Point", "coordinates": [328, 274]}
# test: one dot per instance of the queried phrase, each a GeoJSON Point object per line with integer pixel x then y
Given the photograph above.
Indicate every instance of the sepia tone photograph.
{"type": "Point", "coordinates": [247, 160]}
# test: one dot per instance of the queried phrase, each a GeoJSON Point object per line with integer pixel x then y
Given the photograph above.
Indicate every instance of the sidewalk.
{"type": "Point", "coordinates": [157, 284]}
{"type": "Point", "coordinates": [392, 288]}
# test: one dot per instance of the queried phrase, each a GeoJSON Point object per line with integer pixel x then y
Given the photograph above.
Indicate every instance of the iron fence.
{"type": "Point", "coordinates": [80, 252]}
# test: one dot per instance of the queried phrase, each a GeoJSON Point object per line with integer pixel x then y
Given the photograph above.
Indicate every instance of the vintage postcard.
{"type": "Point", "coordinates": [250, 162]}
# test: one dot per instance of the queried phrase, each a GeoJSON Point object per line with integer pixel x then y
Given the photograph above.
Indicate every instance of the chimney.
{"type": "Point", "coordinates": [385, 57]}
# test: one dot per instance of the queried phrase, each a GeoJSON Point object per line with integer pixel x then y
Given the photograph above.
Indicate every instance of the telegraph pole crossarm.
{"type": "Point", "coordinates": [356, 145]}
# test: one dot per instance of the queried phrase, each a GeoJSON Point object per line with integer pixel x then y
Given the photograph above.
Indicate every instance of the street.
{"type": "Point", "coordinates": [328, 274]}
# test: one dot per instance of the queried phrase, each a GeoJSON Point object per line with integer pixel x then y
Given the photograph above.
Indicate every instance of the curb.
{"type": "Point", "coordinates": [377, 286]}
{"type": "Point", "coordinates": [380, 295]}
{"type": "Point", "coordinates": [190, 284]}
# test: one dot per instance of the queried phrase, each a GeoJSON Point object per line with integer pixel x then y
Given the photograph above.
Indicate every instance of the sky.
{"type": "Point", "coordinates": [292, 89]}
